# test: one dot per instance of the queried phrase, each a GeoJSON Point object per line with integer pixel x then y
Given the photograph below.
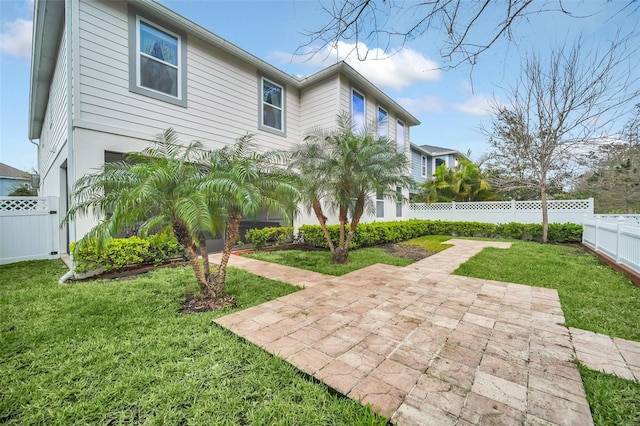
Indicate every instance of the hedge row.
{"type": "Point", "coordinates": [121, 252]}
{"type": "Point", "coordinates": [275, 235]}
{"type": "Point", "coordinates": [369, 234]}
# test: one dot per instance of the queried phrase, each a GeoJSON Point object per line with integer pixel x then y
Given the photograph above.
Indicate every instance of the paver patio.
{"type": "Point", "coordinates": [425, 347]}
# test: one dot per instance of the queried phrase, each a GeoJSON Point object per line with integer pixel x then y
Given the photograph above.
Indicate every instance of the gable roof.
{"type": "Point", "coordinates": [9, 172]}
{"type": "Point", "coordinates": [432, 150]}
{"type": "Point", "coordinates": [48, 28]}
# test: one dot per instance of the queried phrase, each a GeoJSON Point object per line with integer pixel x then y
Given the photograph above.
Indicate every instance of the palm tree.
{"type": "Point", "coordinates": [192, 191]}
{"type": "Point", "coordinates": [465, 182]}
{"type": "Point", "coordinates": [341, 170]}
{"type": "Point", "coordinates": [241, 182]}
{"type": "Point", "coordinates": [157, 188]}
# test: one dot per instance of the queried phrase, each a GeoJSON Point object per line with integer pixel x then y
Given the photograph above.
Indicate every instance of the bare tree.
{"type": "Point", "coordinates": [455, 23]}
{"type": "Point", "coordinates": [556, 108]}
{"type": "Point", "coordinates": [614, 175]}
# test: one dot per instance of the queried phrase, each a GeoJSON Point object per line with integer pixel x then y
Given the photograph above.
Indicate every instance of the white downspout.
{"type": "Point", "coordinates": [70, 153]}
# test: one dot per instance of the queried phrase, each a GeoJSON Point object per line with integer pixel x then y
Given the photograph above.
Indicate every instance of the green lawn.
{"type": "Point", "coordinates": [320, 261]}
{"type": "Point", "coordinates": [118, 352]}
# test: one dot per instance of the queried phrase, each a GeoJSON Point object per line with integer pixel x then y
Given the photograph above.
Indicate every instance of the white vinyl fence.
{"type": "Point", "coordinates": [560, 211]}
{"type": "Point", "coordinates": [618, 237]}
{"type": "Point", "coordinates": [29, 228]}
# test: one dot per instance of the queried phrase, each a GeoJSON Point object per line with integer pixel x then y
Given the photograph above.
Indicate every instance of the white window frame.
{"type": "Point", "coordinates": [364, 110]}
{"type": "Point", "coordinates": [399, 201]}
{"type": "Point", "coordinates": [135, 86]}
{"type": "Point", "coordinates": [446, 162]}
{"type": "Point", "coordinates": [177, 67]}
{"type": "Point", "coordinates": [423, 166]}
{"type": "Point", "coordinates": [262, 103]}
{"type": "Point", "coordinates": [386, 121]}
{"type": "Point", "coordinates": [400, 142]}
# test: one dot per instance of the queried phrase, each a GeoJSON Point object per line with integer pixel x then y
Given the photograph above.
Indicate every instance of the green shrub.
{"type": "Point", "coordinates": [369, 234]}
{"type": "Point", "coordinates": [276, 235]}
{"type": "Point", "coordinates": [121, 252]}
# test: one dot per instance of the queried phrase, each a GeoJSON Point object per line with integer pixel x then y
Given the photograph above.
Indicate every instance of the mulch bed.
{"type": "Point", "coordinates": [193, 304]}
{"type": "Point", "coordinates": [407, 251]}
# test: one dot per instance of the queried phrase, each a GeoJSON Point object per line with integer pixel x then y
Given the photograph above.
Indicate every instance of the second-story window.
{"type": "Point", "coordinates": [358, 115]}
{"type": "Point", "coordinates": [158, 59]}
{"type": "Point", "coordinates": [272, 105]}
{"type": "Point", "coordinates": [423, 166]}
{"type": "Point", "coordinates": [383, 123]}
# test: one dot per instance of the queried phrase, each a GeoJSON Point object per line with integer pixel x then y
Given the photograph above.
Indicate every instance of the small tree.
{"type": "Point", "coordinates": [342, 170]}
{"type": "Point", "coordinates": [240, 182]}
{"type": "Point", "coordinates": [554, 110]}
{"type": "Point", "coordinates": [23, 191]}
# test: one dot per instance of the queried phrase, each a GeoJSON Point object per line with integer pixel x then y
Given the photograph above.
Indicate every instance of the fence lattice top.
{"type": "Point", "coordinates": [536, 205]}
{"type": "Point", "coordinates": [23, 204]}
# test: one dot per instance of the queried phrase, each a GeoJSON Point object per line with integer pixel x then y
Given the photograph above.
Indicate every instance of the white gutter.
{"type": "Point", "coordinates": [71, 224]}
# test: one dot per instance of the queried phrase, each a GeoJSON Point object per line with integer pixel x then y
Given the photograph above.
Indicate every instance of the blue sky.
{"type": "Point", "coordinates": [452, 105]}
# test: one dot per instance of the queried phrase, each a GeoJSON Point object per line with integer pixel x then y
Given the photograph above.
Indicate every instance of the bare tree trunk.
{"type": "Point", "coordinates": [317, 209]}
{"type": "Point", "coordinates": [233, 226]}
{"type": "Point", "coordinates": [545, 214]}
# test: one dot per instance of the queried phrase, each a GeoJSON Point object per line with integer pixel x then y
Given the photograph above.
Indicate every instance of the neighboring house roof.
{"type": "Point", "coordinates": [8, 172]}
{"type": "Point", "coordinates": [49, 22]}
{"type": "Point", "coordinates": [432, 151]}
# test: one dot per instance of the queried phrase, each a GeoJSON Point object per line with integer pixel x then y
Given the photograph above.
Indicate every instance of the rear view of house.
{"type": "Point", "coordinates": [107, 77]}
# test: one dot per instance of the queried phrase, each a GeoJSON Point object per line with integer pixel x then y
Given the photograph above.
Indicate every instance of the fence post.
{"type": "Point", "coordinates": [595, 238]}
{"type": "Point", "coordinates": [621, 221]}
{"type": "Point", "coordinates": [591, 208]}
{"type": "Point", "coordinates": [513, 209]}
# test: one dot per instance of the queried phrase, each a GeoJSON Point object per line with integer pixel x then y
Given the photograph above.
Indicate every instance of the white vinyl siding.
{"type": "Point", "coordinates": [221, 88]}
{"type": "Point", "coordinates": [54, 128]}
{"type": "Point", "coordinates": [319, 105]}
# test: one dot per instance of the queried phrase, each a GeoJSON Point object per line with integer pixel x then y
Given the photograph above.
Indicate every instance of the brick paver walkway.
{"type": "Point", "coordinates": [425, 347]}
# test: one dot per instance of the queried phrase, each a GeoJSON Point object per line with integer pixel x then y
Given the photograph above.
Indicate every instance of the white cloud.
{"type": "Point", "coordinates": [395, 70]}
{"type": "Point", "coordinates": [15, 38]}
{"type": "Point", "coordinates": [478, 105]}
{"type": "Point", "coordinates": [422, 105]}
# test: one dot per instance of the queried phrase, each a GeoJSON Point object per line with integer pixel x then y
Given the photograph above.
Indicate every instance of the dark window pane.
{"type": "Point", "coordinates": [157, 76]}
{"type": "Point", "coordinates": [272, 117]}
{"type": "Point", "coordinates": [158, 44]}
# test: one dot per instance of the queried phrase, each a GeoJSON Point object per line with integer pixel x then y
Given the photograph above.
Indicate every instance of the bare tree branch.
{"type": "Point", "coordinates": [385, 23]}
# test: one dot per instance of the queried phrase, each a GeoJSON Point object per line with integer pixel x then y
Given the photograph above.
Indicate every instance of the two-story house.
{"type": "Point", "coordinates": [108, 76]}
{"type": "Point", "coordinates": [425, 159]}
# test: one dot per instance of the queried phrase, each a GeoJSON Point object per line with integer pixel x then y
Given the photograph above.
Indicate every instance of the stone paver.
{"type": "Point", "coordinates": [425, 347]}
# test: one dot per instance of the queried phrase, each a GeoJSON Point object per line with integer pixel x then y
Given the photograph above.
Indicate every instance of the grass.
{"type": "Point", "coordinates": [116, 352]}
{"type": "Point", "coordinates": [593, 296]}
{"type": "Point", "coordinates": [320, 261]}
{"type": "Point", "coordinates": [613, 401]}
{"type": "Point", "coordinates": [432, 243]}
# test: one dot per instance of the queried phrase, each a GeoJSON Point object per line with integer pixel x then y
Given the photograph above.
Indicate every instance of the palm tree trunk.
{"type": "Point", "coordinates": [317, 209]}
{"type": "Point", "coordinates": [233, 226]}
{"type": "Point", "coordinates": [205, 257]}
{"type": "Point", "coordinates": [341, 254]}
{"type": "Point", "coordinates": [182, 235]}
